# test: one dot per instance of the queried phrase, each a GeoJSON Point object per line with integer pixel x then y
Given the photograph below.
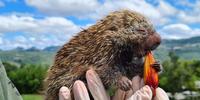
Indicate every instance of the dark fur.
{"type": "Point", "coordinates": [108, 47]}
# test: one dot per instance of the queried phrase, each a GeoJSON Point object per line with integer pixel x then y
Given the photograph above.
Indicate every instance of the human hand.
{"type": "Point", "coordinates": [96, 88]}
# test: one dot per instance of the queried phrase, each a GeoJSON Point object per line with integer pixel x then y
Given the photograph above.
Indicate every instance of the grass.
{"type": "Point", "coordinates": [32, 97]}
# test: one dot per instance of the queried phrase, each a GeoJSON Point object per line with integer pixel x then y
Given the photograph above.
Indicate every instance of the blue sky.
{"type": "Point", "coordinates": [42, 23]}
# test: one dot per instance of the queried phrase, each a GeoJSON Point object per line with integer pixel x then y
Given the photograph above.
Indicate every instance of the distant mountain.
{"type": "Point", "coordinates": [19, 49]}
{"type": "Point", "coordinates": [184, 48]}
{"type": "Point", "coordinates": [33, 49]}
{"type": "Point", "coordinates": [181, 42]}
{"type": "Point", "coordinates": [52, 48]}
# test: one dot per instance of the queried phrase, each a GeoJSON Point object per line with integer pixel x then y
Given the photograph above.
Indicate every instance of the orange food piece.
{"type": "Point", "coordinates": [150, 74]}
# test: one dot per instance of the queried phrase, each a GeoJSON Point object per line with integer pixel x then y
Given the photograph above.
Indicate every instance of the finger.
{"type": "Point", "coordinates": [119, 95]}
{"type": "Point", "coordinates": [80, 91]}
{"type": "Point", "coordinates": [143, 94]}
{"type": "Point", "coordinates": [95, 86]}
{"type": "Point", "coordinates": [160, 94]}
{"type": "Point", "coordinates": [64, 93]}
{"type": "Point", "coordinates": [135, 86]}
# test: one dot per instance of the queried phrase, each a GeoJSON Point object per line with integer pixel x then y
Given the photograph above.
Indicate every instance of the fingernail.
{"type": "Point", "coordinates": [96, 86]}
{"type": "Point", "coordinates": [64, 93]}
{"type": "Point", "coordinates": [80, 91]}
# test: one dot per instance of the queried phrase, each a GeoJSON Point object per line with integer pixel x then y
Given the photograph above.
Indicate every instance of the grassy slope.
{"type": "Point", "coordinates": [32, 97]}
{"type": "Point", "coordinates": [33, 57]}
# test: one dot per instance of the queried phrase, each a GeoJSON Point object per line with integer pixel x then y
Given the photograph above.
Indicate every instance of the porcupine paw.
{"type": "Point", "coordinates": [124, 83]}
{"type": "Point", "coordinates": [157, 66]}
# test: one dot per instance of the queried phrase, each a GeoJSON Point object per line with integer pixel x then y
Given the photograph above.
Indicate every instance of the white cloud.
{"type": "Point", "coordinates": [20, 39]}
{"type": "Point", "coordinates": [178, 31]}
{"type": "Point", "coordinates": [37, 32]}
{"type": "Point", "coordinates": [64, 7]}
{"type": "Point", "coordinates": [166, 9]}
{"type": "Point", "coordinates": [92, 9]}
{"type": "Point", "coordinates": [139, 6]}
{"type": "Point", "coordinates": [28, 41]}
{"type": "Point", "coordinates": [13, 23]}
{"type": "Point", "coordinates": [190, 17]}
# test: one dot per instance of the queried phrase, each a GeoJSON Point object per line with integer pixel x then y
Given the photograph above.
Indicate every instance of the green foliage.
{"type": "Point", "coordinates": [28, 78]}
{"type": "Point", "coordinates": [179, 75]}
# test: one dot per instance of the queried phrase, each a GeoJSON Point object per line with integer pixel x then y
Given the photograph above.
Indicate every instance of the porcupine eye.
{"type": "Point", "coordinates": [142, 31]}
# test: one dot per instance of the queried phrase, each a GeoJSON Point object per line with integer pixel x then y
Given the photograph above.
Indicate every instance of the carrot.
{"type": "Point", "coordinates": [150, 74]}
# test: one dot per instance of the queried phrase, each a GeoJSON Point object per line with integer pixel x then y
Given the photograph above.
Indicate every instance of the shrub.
{"type": "Point", "coordinates": [28, 78]}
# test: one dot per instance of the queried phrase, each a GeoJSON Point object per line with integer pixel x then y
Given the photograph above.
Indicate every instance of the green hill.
{"type": "Point", "coordinates": [32, 57]}
{"type": "Point", "coordinates": [184, 48]}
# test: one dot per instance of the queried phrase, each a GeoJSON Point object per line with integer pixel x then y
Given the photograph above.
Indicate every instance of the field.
{"type": "Point", "coordinates": [32, 97]}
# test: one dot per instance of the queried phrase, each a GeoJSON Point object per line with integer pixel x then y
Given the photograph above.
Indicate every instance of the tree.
{"type": "Point", "coordinates": [179, 75]}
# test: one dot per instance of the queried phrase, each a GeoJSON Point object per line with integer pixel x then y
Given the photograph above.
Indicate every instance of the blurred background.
{"type": "Point", "coordinates": [31, 31]}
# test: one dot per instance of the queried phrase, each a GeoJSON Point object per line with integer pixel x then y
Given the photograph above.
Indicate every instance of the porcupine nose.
{"type": "Point", "coordinates": [157, 40]}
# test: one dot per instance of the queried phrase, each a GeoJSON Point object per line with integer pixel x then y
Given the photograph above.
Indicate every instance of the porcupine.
{"type": "Point", "coordinates": [114, 47]}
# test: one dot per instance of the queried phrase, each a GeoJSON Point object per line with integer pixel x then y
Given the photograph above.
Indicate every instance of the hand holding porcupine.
{"type": "Point", "coordinates": [114, 48]}
{"type": "Point", "coordinates": [96, 88]}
